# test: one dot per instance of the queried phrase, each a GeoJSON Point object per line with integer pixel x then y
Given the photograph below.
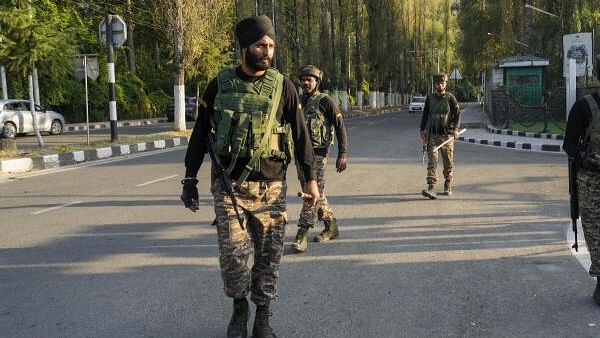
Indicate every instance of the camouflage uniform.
{"type": "Point", "coordinates": [324, 121]}
{"type": "Point", "coordinates": [582, 144]}
{"type": "Point", "coordinates": [588, 183]}
{"type": "Point", "coordinates": [265, 216]}
{"type": "Point", "coordinates": [447, 152]}
{"type": "Point", "coordinates": [322, 210]}
{"type": "Point", "coordinates": [441, 118]}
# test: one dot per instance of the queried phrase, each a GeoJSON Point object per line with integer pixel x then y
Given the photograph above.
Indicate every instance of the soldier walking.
{"type": "Point", "coordinates": [242, 124]}
{"type": "Point", "coordinates": [439, 123]}
{"type": "Point", "coordinates": [582, 144]}
{"type": "Point", "coordinates": [323, 120]}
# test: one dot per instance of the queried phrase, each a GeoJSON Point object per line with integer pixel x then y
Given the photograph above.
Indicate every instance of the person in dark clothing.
{"type": "Point", "coordinates": [323, 120]}
{"type": "Point", "coordinates": [251, 111]}
{"type": "Point", "coordinates": [582, 144]}
{"type": "Point", "coordinates": [439, 123]}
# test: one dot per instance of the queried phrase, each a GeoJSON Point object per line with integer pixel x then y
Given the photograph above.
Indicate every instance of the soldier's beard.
{"type": "Point", "coordinates": [257, 62]}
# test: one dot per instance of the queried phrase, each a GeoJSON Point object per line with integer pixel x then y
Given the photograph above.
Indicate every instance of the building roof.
{"type": "Point", "coordinates": [523, 60]}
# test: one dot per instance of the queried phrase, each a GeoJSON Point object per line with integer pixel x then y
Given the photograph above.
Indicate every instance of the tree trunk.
{"type": "Point", "coordinates": [179, 86]}
{"type": "Point", "coordinates": [32, 110]}
{"type": "Point", "coordinates": [130, 44]}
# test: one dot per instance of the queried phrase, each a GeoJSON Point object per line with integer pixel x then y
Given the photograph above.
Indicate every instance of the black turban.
{"type": "Point", "coordinates": [252, 29]}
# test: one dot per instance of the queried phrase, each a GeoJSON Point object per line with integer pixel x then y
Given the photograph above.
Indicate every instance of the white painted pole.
{"type": "Point", "coordinates": [3, 80]}
{"type": "Point", "coordinates": [571, 86]}
{"type": "Point", "coordinates": [36, 87]}
{"type": "Point", "coordinates": [87, 111]}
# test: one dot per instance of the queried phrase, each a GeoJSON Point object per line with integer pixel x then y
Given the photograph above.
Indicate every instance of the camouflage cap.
{"type": "Point", "coordinates": [310, 70]}
{"type": "Point", "coordinates": [441, 77]}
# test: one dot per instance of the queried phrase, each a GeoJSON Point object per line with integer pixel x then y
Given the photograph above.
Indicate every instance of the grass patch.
{"type": "Point", "coordinates": [54, 149]}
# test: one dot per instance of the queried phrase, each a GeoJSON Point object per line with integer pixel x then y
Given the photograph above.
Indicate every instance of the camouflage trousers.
{"type": "Point", "coordinates": [322, 209]}
{"type": "Point", "coordinates": [447, 152]}
{"type": "Point", "coordinates": [588, 183]}
{"type": "Point", "coordinates": [262, 206]}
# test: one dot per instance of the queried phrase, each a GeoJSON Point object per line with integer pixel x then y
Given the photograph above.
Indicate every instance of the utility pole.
{"type": "Point", "coordinates": [112, 103]}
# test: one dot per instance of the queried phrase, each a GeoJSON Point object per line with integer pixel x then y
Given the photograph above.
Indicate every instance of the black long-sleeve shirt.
{"type": "Point", "coordinates": [333, 115]}
{"type": "Point", "coordinates": [289, 111]}
{"type": "Point", "coordinates": [453, 119]}
{"type": "Point", "coordinates": [579, 119]}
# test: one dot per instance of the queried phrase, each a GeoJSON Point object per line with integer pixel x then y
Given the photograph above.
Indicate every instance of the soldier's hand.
{"type": "Point", "coordinates": [189, 195]}
{"type": "Point", "coordinates": [456, 134]}
{"type": "Point", "coordinates": [341, 162]}
{"type": "Point", "coordinates": [312, 189]}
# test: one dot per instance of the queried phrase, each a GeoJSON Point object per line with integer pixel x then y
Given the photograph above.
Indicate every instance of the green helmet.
{"type": "Point", "coordinates": [310, 70]}
{"type": "Point", "coordinates": [441, 77]}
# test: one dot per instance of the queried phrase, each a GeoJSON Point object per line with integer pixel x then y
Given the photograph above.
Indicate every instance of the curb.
{"type": "Point", "coordinates": [106, 125]}
{"type": "Point", "coordinates": [26, 164]}
{"type": "Point", "coordinates": [525, 134]}
{"type": "Point", "coordinates": [514, 145]}
{"type": "Point", "coordinates": [21, 165]}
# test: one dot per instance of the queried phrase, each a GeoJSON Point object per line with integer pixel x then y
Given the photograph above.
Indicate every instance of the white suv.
{"type": "Point", "coordinates": [416, 104]}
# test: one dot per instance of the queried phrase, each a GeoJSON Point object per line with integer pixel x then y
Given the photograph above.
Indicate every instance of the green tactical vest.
{"type": "Point", "coordinates": [245, 122]}
{"type": "Point", "coordinates": [321, 131]}
{"type": "Point", "coordinates": [592, 133]}
{"type": "Point", "coordinates": [438, 115]}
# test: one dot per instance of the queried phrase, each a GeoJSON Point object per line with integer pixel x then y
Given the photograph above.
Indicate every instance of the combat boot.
{"type": "Point", "coordinates": [597, 291]}
{"type": "Point", "coordinates": [430, 192]}
{"type": "Point", "coordinates": [237, 325]}
{"type": "Point", "coordinates": [301, 242]}
{"type": "Point", "coordinates": [447, 189]}
{"type": "Point", "coordinates": [261, 328]}
{"type": "Point", "coordinates": [330, 231]}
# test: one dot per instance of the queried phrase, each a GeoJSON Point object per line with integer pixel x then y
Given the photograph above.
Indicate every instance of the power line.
{"type": "Point", "coordinates": [98, 9]}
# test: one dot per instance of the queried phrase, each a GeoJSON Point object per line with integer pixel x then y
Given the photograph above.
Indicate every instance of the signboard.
{"type": "Point", "coordinates": [455, 75]}
{"type": "Point", "coordinates": [119, 31]}
{"type": "Point", "coordinates": [579, 47]}
{"type": "Point", "coordinates": [92, 67]}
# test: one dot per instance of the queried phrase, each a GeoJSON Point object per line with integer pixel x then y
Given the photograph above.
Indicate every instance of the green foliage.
{"type": "Point", "coordinates": [463, 90]}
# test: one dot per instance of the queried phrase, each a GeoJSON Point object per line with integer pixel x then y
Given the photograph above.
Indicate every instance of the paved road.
{"type": "Point", "coordinates": [108, 251]}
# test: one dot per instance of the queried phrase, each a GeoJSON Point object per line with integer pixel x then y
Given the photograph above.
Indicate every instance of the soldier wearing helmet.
{"type": "Point", "coordinates": [323, 120]}
{"type": "Point", "coordinates": [440, 122]}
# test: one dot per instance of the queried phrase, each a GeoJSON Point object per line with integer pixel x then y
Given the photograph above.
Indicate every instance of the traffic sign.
{"type": "Point", "coordinates": [91, 64]}
{"type": "Point", "coordinates": [455, 75]}
{"type": "Point", "coordinates": [119, 31]}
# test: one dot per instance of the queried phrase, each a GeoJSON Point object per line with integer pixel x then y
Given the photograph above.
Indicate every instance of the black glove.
{"type": "Point", "coordinates": [189, 195]}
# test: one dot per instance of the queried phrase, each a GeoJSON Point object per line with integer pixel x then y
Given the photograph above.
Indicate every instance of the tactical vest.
{"type": "Point", "coordinates": [245, 120]}
{"type": "Point", "coordinates": [321, 131]}
{"type": "Point", "coordinates": [592, 133]}
{"type": "Point", "coordinates": [438, 116]}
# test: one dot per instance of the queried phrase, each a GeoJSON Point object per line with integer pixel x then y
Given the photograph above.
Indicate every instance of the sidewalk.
{"type": "Point", "coordinates": [479, 131]}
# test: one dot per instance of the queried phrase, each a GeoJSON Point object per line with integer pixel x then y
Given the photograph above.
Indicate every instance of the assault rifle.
{"type": "Point", "coordinates": [574, 197]}
{"type": "Point", "coordinates": [222, 175]}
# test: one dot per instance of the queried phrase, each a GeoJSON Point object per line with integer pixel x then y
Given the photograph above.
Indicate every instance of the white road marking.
{"type": "Point", "coordinates": [156, 181]}
{"type": "Point", "coordinates": [55, 208]}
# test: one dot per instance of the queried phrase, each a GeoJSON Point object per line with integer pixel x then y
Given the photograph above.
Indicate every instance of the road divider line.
{"type": "Point", "coordinates": [156, 181]}
{"type": "Point", "coordinates": [55, 208]}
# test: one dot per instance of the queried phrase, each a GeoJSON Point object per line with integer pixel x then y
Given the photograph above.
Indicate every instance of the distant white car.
{"type": "Point", "coordinates": [15, 118]}
{"type": "Point", "coordinates": [416, 104]}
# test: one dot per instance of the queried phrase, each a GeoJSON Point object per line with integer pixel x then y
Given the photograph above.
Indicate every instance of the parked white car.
{"type": "Point", "coordinates": [15, 118]}
{"type": "Point", "coordinates": [416, 104]}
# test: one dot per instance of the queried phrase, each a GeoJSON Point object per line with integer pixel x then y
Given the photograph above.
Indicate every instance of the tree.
{"type": "Point", "coordinates": [29, 43]}
{"type": "Point", "coordinates": [194, 25]}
